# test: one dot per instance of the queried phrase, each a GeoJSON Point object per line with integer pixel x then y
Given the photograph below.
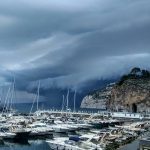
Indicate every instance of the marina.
{"type": "Point", "coordinates": [74, 75]}
{"type": "Point", "coordinates": [71, 130]}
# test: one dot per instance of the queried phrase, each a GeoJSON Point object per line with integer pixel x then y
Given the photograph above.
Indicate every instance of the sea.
{"type": "Point", "coordinates": [31, 145]}
{"type": "Point", "coordinates": [26, 107]}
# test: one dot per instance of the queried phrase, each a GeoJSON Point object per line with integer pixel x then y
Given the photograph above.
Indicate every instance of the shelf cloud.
{"type": "Point", "coordinates": [66, 44]}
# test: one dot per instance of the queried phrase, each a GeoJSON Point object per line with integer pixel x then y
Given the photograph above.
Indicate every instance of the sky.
{"type": "Point", "coordinates": [70, 44]}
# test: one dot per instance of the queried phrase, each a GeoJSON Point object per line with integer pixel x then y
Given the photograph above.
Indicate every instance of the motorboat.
{"type": "Point", "coordinates": [65, 143]}
{"type": "Point", "coordinates": [60, 128]}
{"type": "Point", "coordinates": [39, 129]}
{"type": "Point", "coordinates": [7, 135]}
{"type": "Point", "coordinates": [21, 133]}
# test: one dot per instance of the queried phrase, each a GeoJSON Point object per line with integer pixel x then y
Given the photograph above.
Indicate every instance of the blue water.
{"type": "Point", "coordinates": [42, 145]}
{"type": "Point", "coordinates": [132, 146]}
{"type": "Point", "coordinates": [34, 145]}
{"type": "Point", "coordinates": [26, 107]}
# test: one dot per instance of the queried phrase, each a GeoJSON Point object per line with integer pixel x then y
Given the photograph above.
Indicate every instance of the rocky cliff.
{"type": "Point", "coordinates": [97, 99]}
{"type": "Point", "coordinates": [131, 93]}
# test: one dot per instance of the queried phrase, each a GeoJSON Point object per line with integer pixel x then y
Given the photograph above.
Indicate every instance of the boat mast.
{"type": "Point", "coordinates": [36, 98]}
{"type": "Point", "coordinates": [32, 105]}
{"type": "Point", "coordinates": [0, 96]}
{"type": "Point", "coordinates": [12, 94]}
{"type": "Point", "coordinates": [67, 99]}
{"type": "Point", "coordinates": [38, 92]}
{"type": "Point", "coordinates": [63, 101]}
{"type": "Point", "coordinates": [6, 101]}
{"type": "Point", "coordinates": [74, 108]}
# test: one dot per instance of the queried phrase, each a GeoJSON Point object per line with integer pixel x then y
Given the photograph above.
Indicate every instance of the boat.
{"type": "Point", "coordinates": [91, 140]}
{"type": "Point", "coordinates": [7, 135]}
{"type": "Point", "coordinates": [71, 127]}
{"type": "Point", "coordinates": [21, 133]}
{"type": "Point", "coordinates": [60, 128]}
{"type": "Point", "coordinates": [67, 144]}
{"type": "Point", "coordinates": [38, 129]}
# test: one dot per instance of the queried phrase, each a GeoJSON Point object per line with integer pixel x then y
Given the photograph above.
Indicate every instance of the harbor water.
{"type": "Point", "coordinates": [32, 145]}
{"type": "Point", "coordinates": [42, 145]}
{"type": "Point", "coordinates": [132, 146]}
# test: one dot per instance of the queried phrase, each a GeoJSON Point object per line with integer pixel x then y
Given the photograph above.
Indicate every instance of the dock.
{"type": "Point", "coordinates": [144, 144]}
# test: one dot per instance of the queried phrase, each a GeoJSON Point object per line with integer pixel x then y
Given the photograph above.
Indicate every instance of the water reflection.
{"type": "Point", "coordinates": [32, 145]}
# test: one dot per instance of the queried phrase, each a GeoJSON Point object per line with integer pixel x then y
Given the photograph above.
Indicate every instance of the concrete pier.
{"type": "Point", "coordinates": [144, 144]}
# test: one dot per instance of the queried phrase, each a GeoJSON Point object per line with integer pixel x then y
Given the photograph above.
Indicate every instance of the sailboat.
{"type": "Point", "coordinates": [36, 98]}
{"type": "Point", "coordinates": [8, 103]}
{"type": "Point", "coordinates": [67, 108]}
{"type": "Point", "coordinates": [74, 102]}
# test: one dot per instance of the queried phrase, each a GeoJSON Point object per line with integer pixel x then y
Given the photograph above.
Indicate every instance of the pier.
{"type": "Point", "coordinates": [144, 144]}
{"type": "Point", "coordinates": [123, 115]}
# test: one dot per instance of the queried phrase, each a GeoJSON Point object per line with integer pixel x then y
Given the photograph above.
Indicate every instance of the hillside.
{"type": "Point", "coordinates": [97, 99]}
{"type": "Point", "coordinates": [130, 93]}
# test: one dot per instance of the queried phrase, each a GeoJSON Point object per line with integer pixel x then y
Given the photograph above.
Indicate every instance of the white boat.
{"type": "Point", "coordinates": [87, 141]}
{"type": "Point", "coordinates": [7, 135]}
{"type": "Point", "coordinates": [72, 127]}
{"type": "Point", "coordinates": [39, 129]}
{"type": "Point", "coordinates": [60, 128]}
{"type": "Point", "coordinates": [84, 125]}
{"type": "Point", "coordinates": [69, 125]}
{"type": "Point", "coordinates": [133, 127]}
{"type": "Point", "coordinates": [65, 144]}
{"type": "Point", "coordinates": [21, 133]}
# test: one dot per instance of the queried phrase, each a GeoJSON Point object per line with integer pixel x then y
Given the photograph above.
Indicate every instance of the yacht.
{"type": "Point", "coordinates": [21, 133]}
{"type": "Point", "coordinates": [39, 129]}
{"type": "Point", "coordinates": [71, 127]}
{"type": "Point", "coordinates": [67, 144]}
{"type": "Point", "coordinates": [60, 128]}
{"type": "Point", "coordinates": [7, 135]}
{"type": "Point", "coordinates": [91, 140]}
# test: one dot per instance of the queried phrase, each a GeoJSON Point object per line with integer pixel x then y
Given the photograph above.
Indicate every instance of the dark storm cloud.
{"type": "Point", "coordinates": [67, 43]}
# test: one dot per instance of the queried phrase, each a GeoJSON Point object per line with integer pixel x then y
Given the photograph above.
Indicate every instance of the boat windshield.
{"type": "Point", "coordinates": [69, 142]}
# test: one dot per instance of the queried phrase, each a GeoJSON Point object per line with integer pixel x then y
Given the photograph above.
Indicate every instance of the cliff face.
{"type": "Point", "coordinates": [131, 93]}
{"type": "Point", "coordinates": [98, 99]}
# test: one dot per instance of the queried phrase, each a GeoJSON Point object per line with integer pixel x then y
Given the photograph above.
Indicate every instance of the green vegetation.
{"type": "Point", "coordinates": [136, 73]}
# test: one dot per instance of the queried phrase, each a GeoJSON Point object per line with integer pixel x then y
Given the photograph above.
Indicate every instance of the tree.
{"type": "Point", "coordinates": [145, 74]}
{"type": "Point", "coordinates": [135, 70]}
